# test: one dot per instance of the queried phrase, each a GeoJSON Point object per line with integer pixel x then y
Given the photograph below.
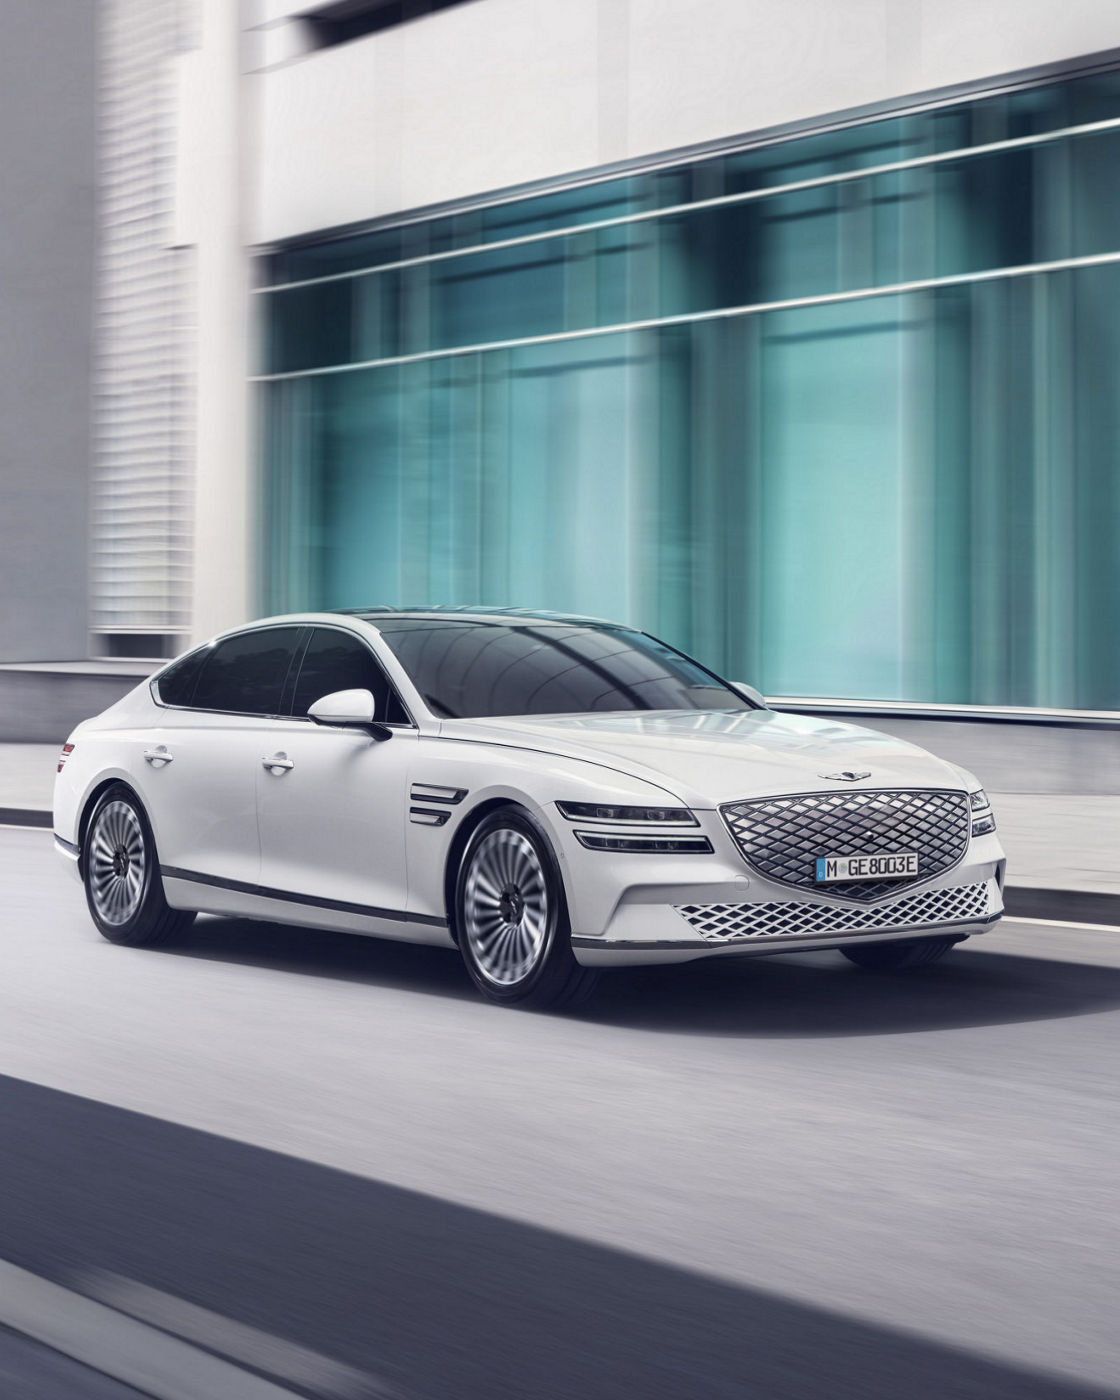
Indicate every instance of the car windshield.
{"type": "Point", "coordinates": [467, 669]}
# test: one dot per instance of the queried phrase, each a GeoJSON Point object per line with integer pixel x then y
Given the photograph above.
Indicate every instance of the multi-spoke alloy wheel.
{"type": "Point", "coordinates": [118, 866]}
{"type": "Point", "coordinates": [505, 906]}
{"type": "Point", "coordinates": [121, 872]}
{"type": "Point", "coordinates": [511, 917]}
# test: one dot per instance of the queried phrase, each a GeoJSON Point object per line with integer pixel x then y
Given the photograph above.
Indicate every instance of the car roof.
{"type": "Point", "coordinates": [480, 613]}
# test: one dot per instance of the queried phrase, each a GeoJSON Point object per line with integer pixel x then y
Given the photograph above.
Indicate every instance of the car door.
{"type": "Point", "coordinates": [333, 810]}
{"type": "Point", "coordinates": [199, 768]}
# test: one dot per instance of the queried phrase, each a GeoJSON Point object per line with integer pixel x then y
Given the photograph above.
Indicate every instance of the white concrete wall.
{"type": "Point", "coordinates": [498, 92]}
{"type": "Point", "coordinates": [209, 218]}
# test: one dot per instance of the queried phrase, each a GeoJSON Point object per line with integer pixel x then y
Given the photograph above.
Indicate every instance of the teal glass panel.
{"type": "Point", "coordinates": [326, 259]}
{"type": "Point", "coordinates": [377, 310]}
{"type": "Point", "coordinates": [1093, 163]}
{"type": "Point", "coordinates": [1092, 98]}
{"type": "Point", "coordinates": [798, 244]}
{"type": "Point", "coordinates": [830, 153]}
{"type": "Point", "coordinates": [309, 326]}
{"type": "Point", "coordinates": [1093, 478]}
{"type": "Point", "coordinates": [498, 296]}
{"type": "Point", "coordinates": [710, 258]}
{"type": "Point", "coordinates": [832, 569]}
{"type": "Point", "coordinates": [586, 204]}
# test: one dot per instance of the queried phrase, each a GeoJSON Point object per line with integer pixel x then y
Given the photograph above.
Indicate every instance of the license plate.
{"type": "Point", "coordinates": [834, 869]}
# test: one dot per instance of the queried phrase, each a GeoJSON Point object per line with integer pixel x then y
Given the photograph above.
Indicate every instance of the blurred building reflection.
{"type": "Point", "coordinates": [787, 331]}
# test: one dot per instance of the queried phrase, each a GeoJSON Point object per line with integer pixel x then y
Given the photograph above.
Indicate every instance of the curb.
{"type": "Point", "coordinates": [24, 816]}
{"type": "Point", "coordinates": [1066, 906]}
{"type": "Point", "coordinates": [1019, 901]}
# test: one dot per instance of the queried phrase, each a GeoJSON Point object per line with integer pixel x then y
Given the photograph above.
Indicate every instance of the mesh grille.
{"type": "Point", "coordinates": [783, 836]}
{"type": "Point", "coordinates": [725, 923]}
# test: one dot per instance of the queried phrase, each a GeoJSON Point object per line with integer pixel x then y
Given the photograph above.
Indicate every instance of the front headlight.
{"type": "Point", "coordinates": [606, 812]}
{"type": "Point", "coordinates": [980, 802]}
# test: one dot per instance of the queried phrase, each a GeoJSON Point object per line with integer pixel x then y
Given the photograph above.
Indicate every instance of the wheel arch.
{"type": "Point", "coordinates": [91, 802]}
{"type": "Point", "coordinates": [463, 833]}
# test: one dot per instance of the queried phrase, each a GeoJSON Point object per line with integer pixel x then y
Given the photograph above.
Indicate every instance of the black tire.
{"type": "Point", "coordinates": [120, 871]}
{"type": "Point", "coordinates": [900, 956]}
{"type": "Point", "coordinates": [511, 916]}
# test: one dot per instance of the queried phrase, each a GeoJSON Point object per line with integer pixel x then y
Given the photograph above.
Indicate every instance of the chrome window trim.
{"type": "Point", "coordinates": [301, 648]}
{"type": "Point", "coordinates": [215, 642]}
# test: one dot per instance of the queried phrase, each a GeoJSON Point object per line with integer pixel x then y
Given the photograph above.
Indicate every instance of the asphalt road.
{"type": "Point", "coordinates": [779, 1178]}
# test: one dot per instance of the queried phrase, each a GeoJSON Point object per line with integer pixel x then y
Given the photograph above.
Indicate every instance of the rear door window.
{"type": "Point", "coordinates": [337, 660]}
{"type": "Point", "coordinates": [245, 674]}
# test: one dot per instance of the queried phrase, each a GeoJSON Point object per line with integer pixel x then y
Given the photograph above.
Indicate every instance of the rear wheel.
{"type": "Point", "coordinates": [900, 956]}
{"type": "Point", "coordinates": [121, 874]}
{"type": "Point", "coordinates": [511, 917]}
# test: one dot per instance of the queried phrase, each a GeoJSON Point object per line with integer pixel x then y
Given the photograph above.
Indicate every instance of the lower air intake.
{"type": "Point", "coordinates": [726, 923]}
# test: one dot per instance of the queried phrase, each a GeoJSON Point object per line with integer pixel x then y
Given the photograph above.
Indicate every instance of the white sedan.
{"type": "Point", "coordinates": [551, 795]}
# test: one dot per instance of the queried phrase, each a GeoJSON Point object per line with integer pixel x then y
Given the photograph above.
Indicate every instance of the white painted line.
{"type": "Point", "coordinates": [1063, 923]}
{"type": "Point", "coordinates": [128, 1350]}
{"type": "Point", "coordinates": [235, 1340]}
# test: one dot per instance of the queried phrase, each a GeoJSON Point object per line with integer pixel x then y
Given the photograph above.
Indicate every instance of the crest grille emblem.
{"type": "Point", "coordinates": [847, 776]}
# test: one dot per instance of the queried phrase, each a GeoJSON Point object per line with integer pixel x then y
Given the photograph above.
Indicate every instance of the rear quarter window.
{"type": "Point", "coordinates": [175, 685]}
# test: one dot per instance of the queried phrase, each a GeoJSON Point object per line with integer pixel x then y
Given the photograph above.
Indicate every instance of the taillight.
{"type": "Point", "coordinates": [67, 750]}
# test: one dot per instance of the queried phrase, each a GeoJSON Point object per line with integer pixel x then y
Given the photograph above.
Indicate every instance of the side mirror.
{"type": "Point", "coordinates": [754, 695]}
{"type": "Point", "coordinates": [349, 708]}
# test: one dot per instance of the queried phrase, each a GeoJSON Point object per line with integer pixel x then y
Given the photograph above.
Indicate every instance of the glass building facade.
{"type": "Point", "coordinates": [838, 413]}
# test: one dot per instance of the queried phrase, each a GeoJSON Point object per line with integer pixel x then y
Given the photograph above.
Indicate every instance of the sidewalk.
{"type": "Point", "coordinates": [1063, 850]}
{"type": "Point", "coordinates": [27, 774]}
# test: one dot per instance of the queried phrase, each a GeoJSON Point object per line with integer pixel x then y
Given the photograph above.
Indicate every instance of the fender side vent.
{"type": "Point", "coordinates": [433, 792]}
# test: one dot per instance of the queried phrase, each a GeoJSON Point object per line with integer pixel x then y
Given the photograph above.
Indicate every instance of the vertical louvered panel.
{"type": "Point", "coordinates": [143, 337]}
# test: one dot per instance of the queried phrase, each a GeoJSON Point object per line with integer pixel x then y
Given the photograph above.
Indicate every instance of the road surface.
{"type": "Point", "coordinates": [324, 1162]}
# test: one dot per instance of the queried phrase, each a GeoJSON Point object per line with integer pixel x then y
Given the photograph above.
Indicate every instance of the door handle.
{"type": "Point", "coordinates": [158, 755]}
{"type": "Point", "coordinates": [278, 761]}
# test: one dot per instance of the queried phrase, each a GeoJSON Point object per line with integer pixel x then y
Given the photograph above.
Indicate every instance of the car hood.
{"type": "Point", "coordinates": [716, 756]}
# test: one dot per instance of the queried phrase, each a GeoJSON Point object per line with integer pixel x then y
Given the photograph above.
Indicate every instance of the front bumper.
{"type": "Point", "coordinates": [717, 906]}
{"type": "Point", "coordinates": [606, 952]}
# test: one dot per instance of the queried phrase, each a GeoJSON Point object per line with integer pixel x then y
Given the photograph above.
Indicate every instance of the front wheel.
{"type": "Point", "coordinates": [900, 956]}
{"type": "Point", "coordinates": [121, 874]}
{"type": "Point", "coordinates": [511, 917]}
